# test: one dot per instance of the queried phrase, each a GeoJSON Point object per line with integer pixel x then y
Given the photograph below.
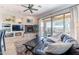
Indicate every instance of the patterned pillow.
{"type": "Point", "coordinates": [68, 39]}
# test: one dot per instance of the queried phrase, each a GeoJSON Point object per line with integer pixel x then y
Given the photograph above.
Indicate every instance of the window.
{"type": "Point", "coordinates": [48, 27]}
{"type": "Point", "coordinates": [58, 26]}
{"type": "Point", "coordinates": [42, 28]}
{"type": "Point", "coordinates": [67, 23]}
{"type": "Point", "coordinates": [55, 25]}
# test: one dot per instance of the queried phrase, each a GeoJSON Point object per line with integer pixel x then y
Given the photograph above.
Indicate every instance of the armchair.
{"type": "Point", "coordinates": [37, 45]}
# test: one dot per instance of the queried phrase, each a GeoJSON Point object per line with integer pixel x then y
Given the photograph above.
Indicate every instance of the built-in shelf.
{"type": "Point", "coordinates": [13, 30]}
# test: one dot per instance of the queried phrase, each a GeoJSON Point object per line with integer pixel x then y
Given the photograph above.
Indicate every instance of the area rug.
{"type": "Point", "coordinates": [21, 50]}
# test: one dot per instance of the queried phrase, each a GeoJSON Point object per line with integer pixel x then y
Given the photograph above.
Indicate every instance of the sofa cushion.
{"type": "Point", "coordinates": [67, 39]}
{"type": "Point", "coordinates": [58, 48]}
{"type": "Point", "coordinates": [49, 40]}
{"type": "Point", "coordinates": [39, 49]}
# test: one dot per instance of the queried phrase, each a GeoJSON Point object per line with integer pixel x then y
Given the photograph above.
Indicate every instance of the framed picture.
{"type": "Point", "coordinates": [9, 35]}
{"type": "Point", "coordinates": [29, 20]}
{"type": "Point", "coordinates": [7, 27]}
{"type": "Point", "coordinates": [18, 34]}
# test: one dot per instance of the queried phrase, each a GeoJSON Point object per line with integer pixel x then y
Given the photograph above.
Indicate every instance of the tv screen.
{"type": "Point", "coordinates": [17, 27]}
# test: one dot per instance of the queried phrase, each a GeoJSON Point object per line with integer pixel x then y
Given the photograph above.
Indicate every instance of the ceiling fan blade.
{"type": "Point", "coordinates": [35, 9]}
{"type": "Point", "coordinates": [26, 10]}
{"type": "Point", "coordinates": [39, 6]}
{"type": "Point", "coordinates": [31, 5]}
{"type": "Point", "coordinates": [24, 6]}
{"type": "Point", "coordinates": [31, 11]}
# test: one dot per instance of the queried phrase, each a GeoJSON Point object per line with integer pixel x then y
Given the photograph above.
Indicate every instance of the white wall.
{"type": "Point", "coordinates": [1, 22]}
{"type": "Point", "coordinates": [0, 26]}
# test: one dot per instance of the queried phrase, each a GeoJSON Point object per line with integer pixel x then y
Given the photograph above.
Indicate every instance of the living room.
{"type": "Point", "coordinates": [24, 23]}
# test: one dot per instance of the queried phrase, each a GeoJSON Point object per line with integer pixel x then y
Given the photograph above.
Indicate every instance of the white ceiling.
{"type": "Point", "coordinates": [17, 9]}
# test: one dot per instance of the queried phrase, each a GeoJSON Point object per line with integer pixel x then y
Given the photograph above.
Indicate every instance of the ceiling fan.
{"type": "Point", "coordinates": [30, 7]}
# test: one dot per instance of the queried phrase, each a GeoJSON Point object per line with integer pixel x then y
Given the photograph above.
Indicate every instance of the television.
{"type": "Point", "coordinates": [17, 27]}
{"type": "Point", "coordinates": [29, 29]}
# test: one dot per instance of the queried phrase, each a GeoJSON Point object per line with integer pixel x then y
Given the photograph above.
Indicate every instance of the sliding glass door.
{"type": "Point", "coordinates": [67, 23]}
{"type": "Point", "coordinates": [48, 27]}
{"type": "Point", "coordinates": [61, 24]}
{"type": "Point", "coordinates": [58, 26]}
{"type": "Point", "coordinates": [42, 31]}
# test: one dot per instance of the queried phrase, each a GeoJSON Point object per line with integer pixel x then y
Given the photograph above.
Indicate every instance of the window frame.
{"type": "Point", "coordinates": [52, 18]}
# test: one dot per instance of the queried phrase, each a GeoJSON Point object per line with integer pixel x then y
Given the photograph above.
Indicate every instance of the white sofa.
{"type": "Point", "coordinates": [58, 48]}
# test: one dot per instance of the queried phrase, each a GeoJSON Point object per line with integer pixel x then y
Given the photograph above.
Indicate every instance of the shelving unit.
{"type": "Point", "coordinates": [8, 25]}
{"type": "Point", "coordinates": [9, 30]}
{"type": "Point", "coordinates": [26, 29]}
